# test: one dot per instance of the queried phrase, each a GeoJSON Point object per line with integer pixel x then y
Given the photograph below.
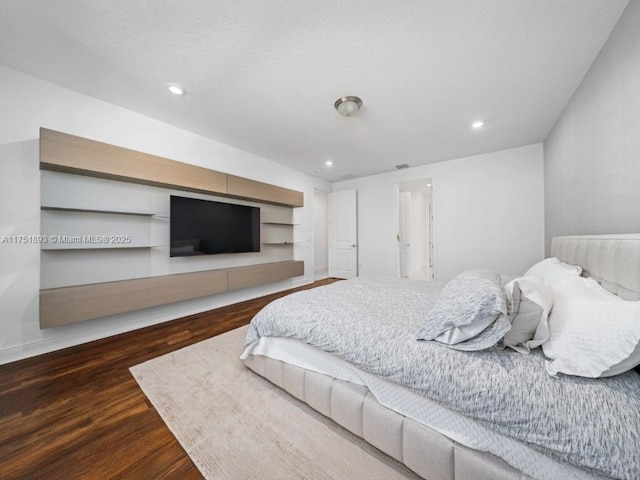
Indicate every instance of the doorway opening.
{"type": "Point", "coordinates": [415, 229]}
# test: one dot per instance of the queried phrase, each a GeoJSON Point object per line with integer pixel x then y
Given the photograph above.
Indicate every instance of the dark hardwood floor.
{"type": "Point", "coordinates": [79, 414]}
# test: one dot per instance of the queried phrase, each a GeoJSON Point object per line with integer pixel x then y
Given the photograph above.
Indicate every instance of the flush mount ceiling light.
{"type": "Point", "coordinates": [328, 163]}
{"type": "Point", "coordinates": [347, 106]}
{"type": "Point", "coordinates": [176, 89]}
{"type": "Point", "coordinates": [477, 124]}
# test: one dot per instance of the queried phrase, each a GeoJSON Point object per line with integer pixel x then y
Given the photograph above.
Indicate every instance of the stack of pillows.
{"type": "Point", "coordinates": [583, 329]}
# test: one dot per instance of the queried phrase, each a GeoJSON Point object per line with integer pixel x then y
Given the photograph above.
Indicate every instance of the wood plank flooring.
{"type": "Point", "coordinates": [79, 414]}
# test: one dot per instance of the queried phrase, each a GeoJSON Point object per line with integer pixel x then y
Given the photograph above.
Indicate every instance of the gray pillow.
{"type": "Point", "coordinates": [473, 297]}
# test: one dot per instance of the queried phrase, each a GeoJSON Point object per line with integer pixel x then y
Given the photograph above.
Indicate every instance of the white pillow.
{"type": "Point", "coordinates": [593, 333]}
{"type": "Point", "coordinates": [529, 302]}
{"type": "Point", "coordinates": [552, 270]}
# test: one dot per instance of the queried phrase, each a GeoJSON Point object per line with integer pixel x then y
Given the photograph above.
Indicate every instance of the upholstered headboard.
{"type": "Point", "coordinates": [612, 260]}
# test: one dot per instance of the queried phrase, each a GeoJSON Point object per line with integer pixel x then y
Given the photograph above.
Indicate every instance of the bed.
{"type": "Point", "coordinates": [350, 351]}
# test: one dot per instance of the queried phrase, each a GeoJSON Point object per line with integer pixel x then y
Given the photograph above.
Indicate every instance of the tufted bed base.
{"type": "Point", "coordinates": [428, 453]}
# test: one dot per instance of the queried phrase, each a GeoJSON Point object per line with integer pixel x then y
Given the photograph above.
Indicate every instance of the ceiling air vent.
{"type": "Point", "coordinates": [347, 176]}
{"type": "Point", "coordinates": [402, 165]}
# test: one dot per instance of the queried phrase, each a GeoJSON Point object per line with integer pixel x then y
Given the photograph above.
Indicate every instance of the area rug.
{"type": "Point", "coordinates": [235, 425]}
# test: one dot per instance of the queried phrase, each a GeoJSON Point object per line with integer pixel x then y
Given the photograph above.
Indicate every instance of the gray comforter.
{"type": "Point", "coordinates": [373, 323]}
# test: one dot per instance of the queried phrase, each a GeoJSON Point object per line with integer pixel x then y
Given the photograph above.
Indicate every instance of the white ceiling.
{"type": "Point", "coordinates": [263, 75]}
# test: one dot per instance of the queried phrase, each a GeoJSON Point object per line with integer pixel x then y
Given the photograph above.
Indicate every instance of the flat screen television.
{"type": "Point", "coordinates": [204, 227]}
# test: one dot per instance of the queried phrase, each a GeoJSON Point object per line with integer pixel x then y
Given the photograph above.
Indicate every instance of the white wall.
{"type": "Point", "coordinates": [592, 155]}
{"type": "Point", "coordinates": [28, 104]}
{"type": "Point", "coordinates": [488, 212]}
{"type": "Point", "coordinates": [321, 234]}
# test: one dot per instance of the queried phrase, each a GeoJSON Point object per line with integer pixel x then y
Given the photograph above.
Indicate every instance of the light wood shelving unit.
{"type": "Point", "coordinates": [76, 155]}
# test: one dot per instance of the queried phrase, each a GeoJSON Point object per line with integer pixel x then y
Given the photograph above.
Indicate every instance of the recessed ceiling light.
{"type": "Point", "coordinates": [428, 184]}
{"type": "Point", "coordinates": [477, 124]}
{"type": "Point", "coordinates": [328, 163]}
{"type": "Point", "coordinates": [176, 89]}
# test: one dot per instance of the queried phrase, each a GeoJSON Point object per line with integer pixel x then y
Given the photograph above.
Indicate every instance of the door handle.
{"type": "Point", "coordinates": [353, 246]}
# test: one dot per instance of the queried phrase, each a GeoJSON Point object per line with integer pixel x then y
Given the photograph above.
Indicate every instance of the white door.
{"type": "Point", "coordinates": [403, 232]}
{"type": "Point", "coordinates": [343, 234]}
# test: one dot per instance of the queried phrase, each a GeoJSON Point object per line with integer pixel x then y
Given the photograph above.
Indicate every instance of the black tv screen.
{"type": "Point", "coordinates": [202, 227]}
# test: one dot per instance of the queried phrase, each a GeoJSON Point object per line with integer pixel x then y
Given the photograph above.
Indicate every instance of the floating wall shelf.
{"type": "Point", "coordinates": [88, 210]}
{"type": "Point", "coordinates": [281, 223]}
{"type": "Point", "coordinates": [83, 247]}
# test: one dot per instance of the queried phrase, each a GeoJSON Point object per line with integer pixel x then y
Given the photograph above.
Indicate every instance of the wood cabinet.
{"type": "Point", "coordinates": [251, 190]}
{"type": "Point", "coordinates": [68, 153]}
{"type": "Point", "coordinates": [251, 275]}
{"type": "Point", "coordinates": [61, 306]}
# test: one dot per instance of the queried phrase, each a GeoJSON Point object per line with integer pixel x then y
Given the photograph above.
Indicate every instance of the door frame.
{"type": "Point", "coordinates": [430, 224]}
